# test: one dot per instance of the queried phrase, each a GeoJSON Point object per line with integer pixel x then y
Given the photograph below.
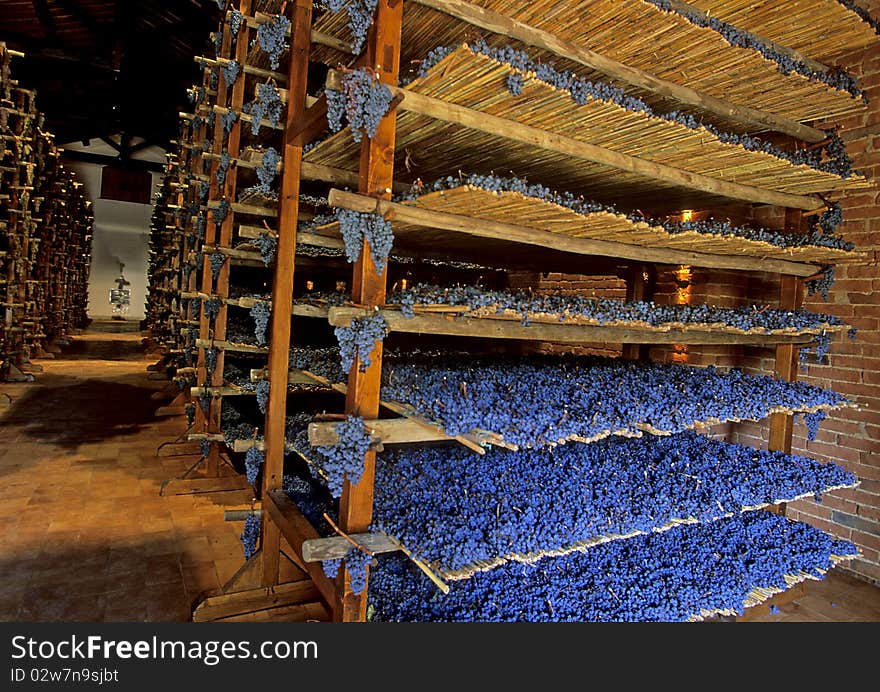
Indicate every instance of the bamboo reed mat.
{"type": "Point", "coordinates": [637, 34]}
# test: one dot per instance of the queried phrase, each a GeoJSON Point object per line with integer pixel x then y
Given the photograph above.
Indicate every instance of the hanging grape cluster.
{"type": "Point", "coordinates": [253, 462]}
{"type": "Point", "coordinates": [229, 119]}
{"type": "Point", "coordinates": [355, 226]}
{"type": "Point", "coordinates": [360, 18]}
{"type": "Point", "coordinates": [267, 171]}
{"type": "Point", "coordinates": [346, 458]}
{"type": "Point", "coordinates": [212, 308]}
{"type": "Point", "coordinates": [251, 535]}
{"type": "Point", "coordinates": [508, 505]}
{"type": "Point", "coordinates": [217, 260]}
{"type": "Point", "coordinates": [272, 38]}
{"type": "Point", "coordinates": [359, 339]}
{"type": "Point", "coordinates": [236, 19]}
{"type": "Point", "coordinates": [266, 243]}
{"type": "Point", "coordinates": [356, 562]}
{"type": "Point", "coordinates": [211, 355]}
{"type": "Point", "coordinates": [222, 168]}
{"type": "Point", "coordinates": [266, 105]}
{"type": "Point", "coordinates": [260, 314]}
{"type": "Point", "coordinates": [231, 71]}
{"type": "Point", "coordinates": [670, 576]}
{"type": "Point", "coordinates": [363, 101]}
{"type": "Point", "coordinates": [262, 390]}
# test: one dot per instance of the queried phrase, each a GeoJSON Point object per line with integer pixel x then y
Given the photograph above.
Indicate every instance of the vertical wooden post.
{"type": "Point", "coordinates": [638, 287]}
{"type": "Point", "coordinates": [282, 285]}
{"type": "Point", "coordinates": [368, 288]}
{"type": "Point", "coordinates": [791, 297]}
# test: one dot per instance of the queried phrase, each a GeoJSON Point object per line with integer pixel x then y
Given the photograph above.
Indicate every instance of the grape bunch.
{"type": "Point", "coordinates": [217, 40]}
{"type": "Point", "coordinates": [266, 105]}
{"type": "Point", "coordinates": [211, 355]}
{"type": "Point", "coordinates": [212, 308]}
{"type": "Point", "coordinates": [205, 398]}
{"type": "Point", "coordinates": [229, 119]}
{"type": "Point", "coordinates": [364, 101]}
{"type": "Point", "coordinates": [204, 448]}
{"type": "Point", "coordinates": [222, 168]}
{"type": "Point", "coordinates": [675, 575]}
{"type": "Point", "coordinates": [355, 226]}
{"type": "Point", "coordinates": [190, 410]}
{"type": "Point", "coordinates": [267, 171]}
{"type": "Point", "coordinates": [271, 37]}
{"type": "Point", "coordinates": [360, 18]}
{"type": "Point", "coordinates": [823, 283]}
{"type": "Point", "coordinates": [231, 71]}
{"type": "Point", "coordinates": [251, 535]}
{"type": "Point", "coordinates": [266, 243]}
{"type": "Point", "coordinates": [221, 211]}
{"type": "Point", "coordinates": [812, 421]}
{"type": "Point", "coordinates": [253, 462]}
{"type": "Point", "coordinates": [346, 458]}
{"type": "Point", "coordinates": [260, 314]}
{"type": "Point", "coordinates": [204, 189]}
{"type": "Point", "coordinates": [217, 260]}
{"type": "Point", "coordinates": [236, 19]}
{"type": "Point", "coordinates": [262, 390]}
{"type": "Point", "coordinates": [359, 339]}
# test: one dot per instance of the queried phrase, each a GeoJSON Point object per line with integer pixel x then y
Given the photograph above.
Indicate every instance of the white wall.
{"type": "Point", "coordinates": [121, 234]}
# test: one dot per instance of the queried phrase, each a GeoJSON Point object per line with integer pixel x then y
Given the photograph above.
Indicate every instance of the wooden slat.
{"type": "Point", "coordinates": [494, 328]}
{"type": "Point", "coordinates": [551, 141]}
{"type": "Point", "coordinates": [336, 547]}
{"type": "Point", "coordinates": [739, 113]}
{"type": "Point", "coordinates": [530, 236]}
{"type": "Point", "coordinates": [227, 606]}
{"type": "Point", "coordinates": [286, 517]}
{"type": "Point", "coordinates": [391, 430]}
{"type": "Point", "coordinates": [199, 486]}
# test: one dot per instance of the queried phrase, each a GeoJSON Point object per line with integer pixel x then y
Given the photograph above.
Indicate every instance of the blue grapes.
{"type": "Point", "coordinates": [205, 399]}
{"type": "Point", "coordinates": [221, 211]}
{"type": "Point", "coordinates": [360, 18]}
{"type": "Point", "coordinates": [812, 421]}
{"type": "Point", "coordinates": [267, 171]}
{"type": "Point", "coordinates": [266, 243]}
{"type": "Point", "coordinates": [364, 102]}
{"type": "Point", "coordinates": [359, 340]}
{"type": "Point", "coordinates": [262, 390]}
{"type": "Point", "coordinates": [508, 505]}
{"type": "Point", "coordinates": [346, 458]}
{"type": "Point", "coordinates": [538, 401]}
{"type": "Point", "coordinates": [212, 308]}
{"type": "Point", "coordinates": [222, 168]}
{"type": "Point", "coordinates": [670, 576]}
{"type": "Point", "coordinates": [260, 314]}
{"type": "Point", "coordinates": [251, 535]}
{"type": "Point", "coordinates": [356, 562]}
{"type": "Point", "coordinates": [217, 260]}
{"type": "Point", "coordinates": [231, 71]}
{"type": "Point", "coordinates": [204, 448]}
{"type": "Point", "coordinates": [190, 410]}
{"type": "Point", "coordinates": [211, 355]}
{"type": "Point", "coordinates": [608, 312]}
{"type": "Point", "coordinates": [355, 226]}
{"type": "Point", "coordinates": [229, 119]}
{"type": "Point", "coordinates": [267, 105]}
{"type": "Point", "coordinates": [272, 38]}
{"type": "Point", "coordinates": [253, 462]}
{"type": "Point", "coordinates": [236, 19]}
{"type": "Point", "coordinates": [823, 283]}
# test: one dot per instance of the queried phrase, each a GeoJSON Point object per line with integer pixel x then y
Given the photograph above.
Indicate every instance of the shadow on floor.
{"type": "Point", "coordinates": [70, 411]}
{"type": "Point", "coordinates": [108, 348]}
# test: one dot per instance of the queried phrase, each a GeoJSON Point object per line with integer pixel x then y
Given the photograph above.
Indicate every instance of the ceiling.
{"type": "Point", "coordinates": [109, 66]}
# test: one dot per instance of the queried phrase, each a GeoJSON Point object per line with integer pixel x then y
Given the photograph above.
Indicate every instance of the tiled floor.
{"type": "Point", "coordinates": [85, 535]}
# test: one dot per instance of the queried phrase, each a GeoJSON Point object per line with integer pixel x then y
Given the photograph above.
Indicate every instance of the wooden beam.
{"type": "Point", "coordinates": [500, 24]}
{"type": "Point", "coordinates": [498, 328]}
{"type": "Point", "coordinates": [312, 124]}
{"type": "Point", "coordinates": [549, 141]}
{"type": "Point", "coordinates": [200, 486]}
{"type": "Point", "coordinates": [336, 547]}
{"type": "Point", "coordinates": [386, 430]}
{"type": "Point", "coordinates": [282, 288]}
{"type": "Point", "coordinates": [296, 529]}
{"type": "Point", "coordinates": [406, 214]}
{"type": "Point", "coordinates": [230, 605]}
{"type": "Point", "coordinates": [376, 177]}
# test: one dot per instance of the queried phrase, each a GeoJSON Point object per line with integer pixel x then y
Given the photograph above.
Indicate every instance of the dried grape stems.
{"type": "Point", "coordinates": [271, 36]}
{"type": "Point", "coordinates": [358, 340]}
{"type": "Point", "coordinates": [363, 101]}
{"type": "Point", "coordinates": [345, 460]}
{"type": "Point", "coordinates": [260, 313]}
{"type": "Point", "coordinates": [831, 157]}
{"type": "Point", "coordinates": [360, 18]}
{"type": "Point", "coordinates": [687, 573]}
{"type": "Point", "coordinates": [585, 207]}
{"type": "Point", "coordinates": [537, 401]}
{"type": "Point", "coordinates": [522, 505]}
{"type": "Point", "coordinates": [355, 226]}
{"type": "Point", "coordinates": [266, 105]}
{"type": "Point", "coordinates": [251, 535]}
